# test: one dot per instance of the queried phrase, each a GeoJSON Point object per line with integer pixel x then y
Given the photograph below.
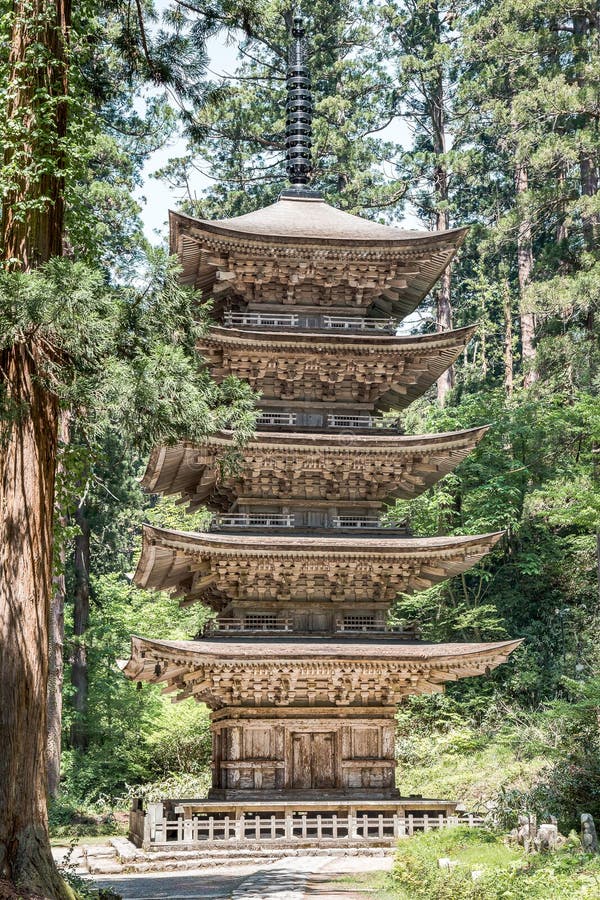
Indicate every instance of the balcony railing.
{"type": "Point", "coordinates": [333, 421]}
{"type": "Point", "coordinates": [342, 421]}
{"type": "Point", "coordinates": [278, 320]}
{"type": "Point", "coordinates": [276, 418]}
{"type": "Point", "coordinates": [254, 623]}
{"type": "Point", "coordinates": [355, 522]}
{"type": "Point", "coordinates": [292, 320]}
{"type": "Point", "coordinates": [359, 323]}
{"type": "Point", "coordinates": [342, 627]}
{"type": "Point", "coordinates": [254, 520]}
{"type": "Point", "coordinates": [285, 520]}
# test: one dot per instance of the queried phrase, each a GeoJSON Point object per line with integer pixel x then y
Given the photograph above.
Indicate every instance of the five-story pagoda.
{"type": "Point", "coordinates": [301, 671]}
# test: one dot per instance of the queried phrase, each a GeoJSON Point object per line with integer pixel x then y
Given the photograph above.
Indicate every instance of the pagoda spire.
{"type": "Point", "coordinates": [298, 130]}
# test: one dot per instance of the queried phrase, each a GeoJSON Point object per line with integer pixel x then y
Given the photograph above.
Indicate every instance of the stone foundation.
{"type": "Point", "coordinates": [195, 823]}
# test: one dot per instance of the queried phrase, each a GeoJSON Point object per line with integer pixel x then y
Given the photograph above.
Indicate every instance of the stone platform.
{"type": "Point", "coordinates": [187, 824]}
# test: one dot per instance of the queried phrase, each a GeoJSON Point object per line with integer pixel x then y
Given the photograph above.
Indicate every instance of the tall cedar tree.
{"type": "Point", "coordinates": [32, 232]}
{"type": "Point", "coordinates": [423, 34]}
{"type": "Point", "coordinates": [66, 339]}
{"type": "Point", "coordinates": [530, 94]}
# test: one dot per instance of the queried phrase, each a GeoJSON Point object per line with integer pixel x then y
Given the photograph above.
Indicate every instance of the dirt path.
{"type": "Point", "coordinates": [292, 878]}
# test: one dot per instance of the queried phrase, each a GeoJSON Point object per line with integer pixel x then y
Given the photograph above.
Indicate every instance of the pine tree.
{"type": "Point", "coordinates": [423, 35]}
{"type": "Point", "coordinates": [240, 142]}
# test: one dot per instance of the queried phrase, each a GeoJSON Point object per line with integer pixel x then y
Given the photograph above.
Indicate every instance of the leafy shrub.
{"type": "Point", "coordinates": [180, 786]}
{"type": "Point", "coordinates": [416, 873]}
{"type": "Point", "coordinates": [566, 789]}
{"type": "Point", "coordinates": [502, 871]}
{"type": "Point", "coordinates": [73, 820]}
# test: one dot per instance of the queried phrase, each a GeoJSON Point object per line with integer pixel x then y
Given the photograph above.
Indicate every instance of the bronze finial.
{"type": "Point", "coordinates": [299, 111]}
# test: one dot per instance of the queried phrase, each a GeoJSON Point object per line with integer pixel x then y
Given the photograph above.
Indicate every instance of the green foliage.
{"type": "Point", "coordinates": [135, 735]}
{"type": "Point", "coordinates": [83, 887]}
{"type": "Point", "coordinates": [502, 871]}
{"type": "Point", "coordinates": [475, 750]}
{"type": "Point", "coordinates": [504, 760]}
{"type": "Point", "coordinates": [121, 359]}
{"type": "Point", "coordinates": [570, 784]}
{"type": "Point", "coordinates": [532, 476]}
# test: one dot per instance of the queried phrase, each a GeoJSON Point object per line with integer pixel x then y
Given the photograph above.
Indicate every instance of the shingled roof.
{"type": "Point", "coordinates": [372, 467]}
{"type": "Point", "coordinates": [312, 219]}
{"type": "Point", "coordinates": [216, 567]}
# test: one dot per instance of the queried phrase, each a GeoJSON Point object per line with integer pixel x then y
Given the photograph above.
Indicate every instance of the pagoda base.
{"type": "Point", "coordinates": [292, 796]}
{"type": "Point", "coordinates": [202, 823]}
{"type": "Point", "coordinates": [298, 753]}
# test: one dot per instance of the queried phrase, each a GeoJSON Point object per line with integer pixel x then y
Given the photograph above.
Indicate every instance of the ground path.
{"type": "Point", "coordinates": [292, 878]}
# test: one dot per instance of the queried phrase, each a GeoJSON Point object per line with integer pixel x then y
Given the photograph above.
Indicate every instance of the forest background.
{"type": "Point", "coordinates": [501, 102]}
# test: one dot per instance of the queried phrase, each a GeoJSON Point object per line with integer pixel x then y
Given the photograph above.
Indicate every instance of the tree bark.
{"type": "Point", "coordinates": [55, 681]}
{"type": "Point", "coordinates": [588, 157]}
{"type": "Point", "coordinates": [525, 270]}
{"type": "Point", "coordinates": [440, 176]}
{"type": "Point", "coordinates": [33, 208]}
{"type": "Point", "coordinates": [31, 232]}
{"type": "Point", "coordinates": [56, 650]}
{"type": "Point", "coordinates": [81, 621]}
{"type": "Point", "coordinates": [27, 475]}
{"type": "Point", "coordinates": [443, 296]}
{"type": "Point", "coordinates": [508, 343]}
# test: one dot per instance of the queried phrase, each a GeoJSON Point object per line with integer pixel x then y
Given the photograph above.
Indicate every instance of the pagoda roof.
{"type": "Point", "coordinates": [374, 260]}
{"type": "Point", "coordinates": [308, 219]}
{"type": "Point", "coordinates": [305, 465]}
{"type": "Point", "coordinates": [388, 371]}
{"type": "Point", "coordinates": [215, 566]}
{"type": "Point", "coordinates": [315, 672]}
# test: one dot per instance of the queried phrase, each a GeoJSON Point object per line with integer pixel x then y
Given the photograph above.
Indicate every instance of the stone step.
{"type": "Point", "coordinates": [112, 867]}
{"type": "Point", "coordinates": [123, 857]}
{"type": "Point", "coordinates": [284, 848]}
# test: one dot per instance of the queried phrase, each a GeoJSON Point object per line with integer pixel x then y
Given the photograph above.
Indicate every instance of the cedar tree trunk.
{"type": "Point", "coordinates": [525, 270]}
{"type": "Point", "coordinates": [27, 475]}
{"type": "Point", "coordinates": [31, 232]}
{"type": "Point", "coordinates": [81, 621]}
{"type": "Point", "coordinates": [440, 177]}
{"type": "Point", "coordinates": [56, 650]}
{"type": "Point", "coordinates": [508, 342]}
{"type": "Point", "coordinates": [55, 681]}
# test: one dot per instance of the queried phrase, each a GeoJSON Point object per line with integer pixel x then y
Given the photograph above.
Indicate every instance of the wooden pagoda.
{"type": "Point", "coordinates": [301, 670]}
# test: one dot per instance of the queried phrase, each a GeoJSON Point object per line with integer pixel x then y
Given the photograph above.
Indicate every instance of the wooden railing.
{"type": "Point", "coordinates": [343, 421]}
{"type": "Point", "coordinates": [276, 418]}
{"type": "Point", "coordinates": [273, 321]}
{"type": "Point", "coordinates": [292, 320]}
{"type": "Point", "coordinates": [359, 323]}
{"type": "Point", "coordinates": [236, 624]}
{"type": "Point", "coordinates": [254, 520]}
{"type": "Point", "coordinates": [285, 520]}
{"type": "Point", "coordinates": [333, 421]}
{"type": "Point", "coordinates": [355, 522]}
{"type": "Point", "coordinates": [368, 827]}
{"type": "Point", "coordinates": [374, 628]}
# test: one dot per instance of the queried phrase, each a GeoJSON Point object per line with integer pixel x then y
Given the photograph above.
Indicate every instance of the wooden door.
{"type": "Point", "coordinates": [313, 760]}
{"type": "Point", "coordinates": [301, 760]}
{"type": "Point", "coordinates": [323, 760]}
{"type": "Point", "coordinates": [320, 621]}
